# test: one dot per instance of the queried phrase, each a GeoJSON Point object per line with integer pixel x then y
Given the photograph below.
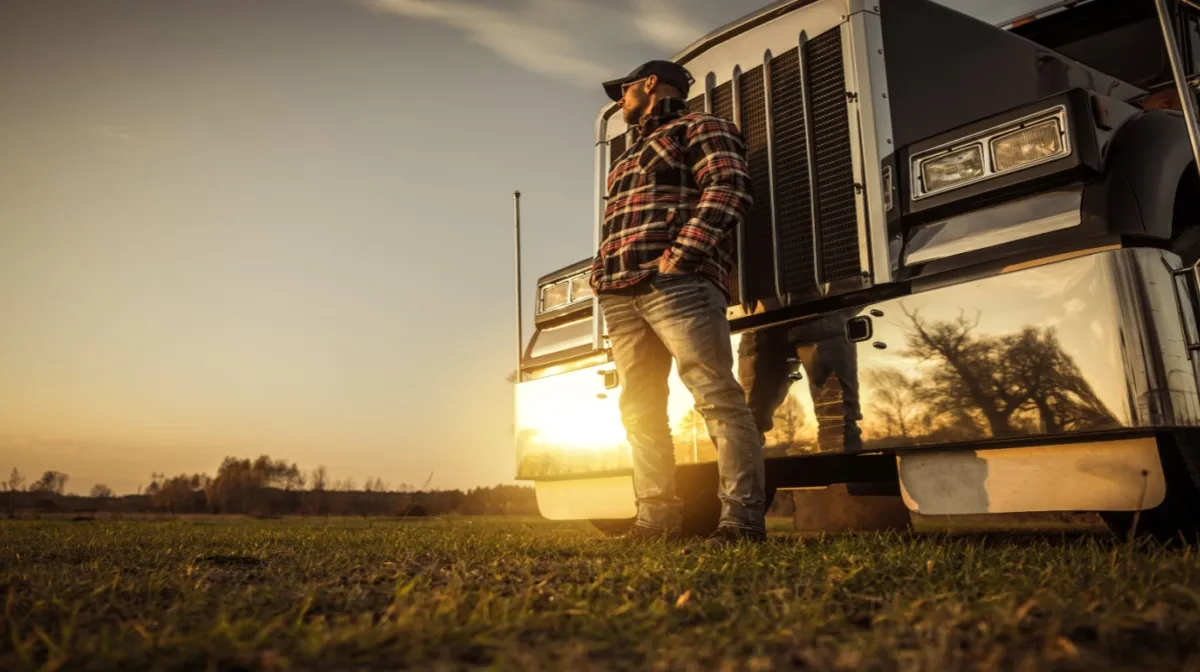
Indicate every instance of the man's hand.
{"type": "Point", "coordinates": [666, 265]}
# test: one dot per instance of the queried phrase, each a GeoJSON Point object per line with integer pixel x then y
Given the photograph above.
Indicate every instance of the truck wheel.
{"type": "Point", "coordinates": [696, 485]}
{"type": "Point", "coordinates": [1178, 517]}
{"type": "Point", "coordinates": [612, 527]}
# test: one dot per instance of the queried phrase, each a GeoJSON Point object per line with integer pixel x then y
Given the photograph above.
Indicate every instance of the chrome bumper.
{"type": "Point", "coordinates": [1092, 345]}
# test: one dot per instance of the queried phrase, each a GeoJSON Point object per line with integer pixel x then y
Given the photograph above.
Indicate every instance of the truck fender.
{"type": "Point", "coordinates": [1143, 168]}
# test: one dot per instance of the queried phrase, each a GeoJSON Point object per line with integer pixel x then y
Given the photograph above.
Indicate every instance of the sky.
{"type": "Point", "coordinates": [284, 227]}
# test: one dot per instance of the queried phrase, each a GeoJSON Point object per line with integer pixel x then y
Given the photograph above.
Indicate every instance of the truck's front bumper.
{"type": "Point", "coordinates": [1096, 345]}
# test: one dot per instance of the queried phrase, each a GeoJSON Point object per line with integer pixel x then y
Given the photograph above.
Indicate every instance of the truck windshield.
{"type": "Point", "coordinates": [998, 11]}
{"type": "Point", "coordinates": [1121, 38]}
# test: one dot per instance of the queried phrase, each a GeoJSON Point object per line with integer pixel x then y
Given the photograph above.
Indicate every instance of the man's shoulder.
{"type": "Point", "coordinates": [707, 123]}
{"type": "Point", "coordinates": [706, 119]}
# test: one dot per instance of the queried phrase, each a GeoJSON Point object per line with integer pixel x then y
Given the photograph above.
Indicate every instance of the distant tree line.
{"type": "Point", "coordinates": [265, 487]}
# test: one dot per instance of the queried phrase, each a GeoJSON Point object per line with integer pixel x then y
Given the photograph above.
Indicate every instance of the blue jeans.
{"type": "Point", "coordinates": [682, 317]}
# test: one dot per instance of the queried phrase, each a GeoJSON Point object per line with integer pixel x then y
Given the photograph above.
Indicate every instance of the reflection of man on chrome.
{"type": "Point", "coordinates": [830, 362]}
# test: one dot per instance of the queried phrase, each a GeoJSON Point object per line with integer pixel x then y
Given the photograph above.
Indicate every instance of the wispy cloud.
{"type": "Point", "coordinates": [573, 40]}
{"type": "Point", "coordinates": [665, 24]}
{"type": "Point", "coordinates": [538, 48]}
{"type": "Point", "coordinates": [114, 133]}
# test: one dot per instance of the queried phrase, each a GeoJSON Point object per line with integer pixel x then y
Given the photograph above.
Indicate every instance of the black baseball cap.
{"type": "Point", "coordinates": [670, 73]}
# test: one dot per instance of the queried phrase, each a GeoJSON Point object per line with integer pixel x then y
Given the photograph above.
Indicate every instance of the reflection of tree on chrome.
{"type": "Point", "coordinates": [788, 421]}
{"type": "Point", "coordinates": [1013, 383]}
{"type": "Point", "coordinates": [896, 402]}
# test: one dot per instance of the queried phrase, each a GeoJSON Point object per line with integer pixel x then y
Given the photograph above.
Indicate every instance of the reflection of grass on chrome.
{"type": "Point", "coordinates": [525, 593]}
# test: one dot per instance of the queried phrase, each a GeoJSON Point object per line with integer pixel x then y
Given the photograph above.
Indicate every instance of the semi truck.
{"type": "Point", "coordinates": [968, 278]}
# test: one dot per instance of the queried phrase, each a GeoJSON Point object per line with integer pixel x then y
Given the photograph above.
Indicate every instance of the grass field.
{"type": "Point", "coordinates": [461, 593]}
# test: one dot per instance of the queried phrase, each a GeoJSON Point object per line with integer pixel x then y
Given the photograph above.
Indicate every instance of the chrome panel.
{"type": "Point", "coordinates": [557, 339]}
{"type": "Point", "coordinates": [868, 77]}
{"type": "Point", "coordinates": [1052, 211]}
{"type": "Point", "coordinates": [569, 424]}
{"type": "Point", "coordinates": [1090, 345]}
{"type": "Point", "coordinates": [857, 142]}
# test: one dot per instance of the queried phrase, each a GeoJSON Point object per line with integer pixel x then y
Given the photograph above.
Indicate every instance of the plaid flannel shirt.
{"type": "Point", "coordinates": [677, 194]}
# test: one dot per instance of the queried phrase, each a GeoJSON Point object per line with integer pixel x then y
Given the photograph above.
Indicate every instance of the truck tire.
{"type": "Point", "coordinates": [696, 485]}
{"type": "Point", "coordinates": [612, 527]}
{"type": "Point", "coordinates": [1177, 519]}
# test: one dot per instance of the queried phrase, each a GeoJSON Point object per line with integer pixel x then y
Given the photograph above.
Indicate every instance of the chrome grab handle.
{"type": "Point", "coordinates": [1191, 286]}
{"type": "Point", "coordinates": [1187, 99]}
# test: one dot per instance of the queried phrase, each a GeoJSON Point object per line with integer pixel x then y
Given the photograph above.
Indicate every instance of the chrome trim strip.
{"type": "Point", "coordinates": [770, 118]}
{"type": "Point", "coordinates": [854, 91]}
{"type": "Point", "coordinates": [710, 83]}
{"type": "Point", "coordinates": [736, 92]}
{"type": "Point", "coordinates": [778, 8]}
{"type": "Point", "coordinates": [1050, 6]}
{"type": "Point", "coordinates": [875, 119]}
{"type": "Point", "coordinates": [994, 226]}
{"type": "Point", "coordinates": [814, 197]}
{"type": "Point", "coordinates": [984, 139]}
{"type": "Point", "coordinates": [1186, 97]}
{"type": "Point", "coordinates": [598, 227]}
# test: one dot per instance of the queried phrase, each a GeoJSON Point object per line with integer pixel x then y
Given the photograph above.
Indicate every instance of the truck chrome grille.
{"type": "Point", "coordinates": [801, 169]}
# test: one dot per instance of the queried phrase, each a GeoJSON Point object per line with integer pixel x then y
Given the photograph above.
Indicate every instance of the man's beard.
{"type": "Point", "coordinates": [633, 115]}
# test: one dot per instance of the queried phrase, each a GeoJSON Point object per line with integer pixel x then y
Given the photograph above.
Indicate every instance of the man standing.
{"type": "Point", "coordinates": [662, 276]}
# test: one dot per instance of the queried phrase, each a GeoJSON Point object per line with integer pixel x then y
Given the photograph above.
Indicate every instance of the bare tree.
{"type": "Point", "coordinates": [896, 399]}
{"type": "Point", "coordinates": [15, 481]}
{"type": "Point", "coordinates": [101, 491]}
{"type": "Point", "coordinates": [789, 419]}
{"type": "Point", "coordinates": [51, 483]}
{"type": "Point", "coordinates": [320, 477]}
{"type": "Point", "coordinates": [1014, 382]}
{"type": "Point", "coordinates": [156, 481]}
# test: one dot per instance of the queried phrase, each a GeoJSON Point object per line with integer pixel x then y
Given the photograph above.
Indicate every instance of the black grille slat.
{"type": "Point", "coordinates": [759, 252]}
{"type": "Point", "coordinates": [722, 106]}
{"type": "Point", "coordinates": [793, 201]}
{"type": "Point", "coordinates": [616, 147]}
{"type": "Point", "coordinates": [836, 206]}
{"type": "Point", "coordinates": [722, 98]}
{"type": "Point", "coordinates": [696, 104]}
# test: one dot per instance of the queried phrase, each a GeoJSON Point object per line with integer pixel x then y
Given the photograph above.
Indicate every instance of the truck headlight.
{"type": "Point", "coordinates": [948, 170]}
{"type": "Point", "coordinates": [1016, 145]}
{"type": "Point", "coordinates": [564, 292]}
{"type": "Point", "coordinates": [555, 296]}
{"type": "Point", "coordinates": [1033, 144]}
{"type": "Point", "coordinates": [581, 288]}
